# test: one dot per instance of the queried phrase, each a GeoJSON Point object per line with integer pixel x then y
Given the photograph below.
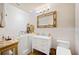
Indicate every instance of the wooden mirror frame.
{"type": "Point", "coordinates": [54, 23]}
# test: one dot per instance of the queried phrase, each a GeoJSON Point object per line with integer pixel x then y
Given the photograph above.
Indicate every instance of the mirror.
{"type": "Point", "coordinates": [47, 20]}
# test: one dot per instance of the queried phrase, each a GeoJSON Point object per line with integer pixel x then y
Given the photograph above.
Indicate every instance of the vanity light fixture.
{"type": "Point", "coordinates": [43, 9]}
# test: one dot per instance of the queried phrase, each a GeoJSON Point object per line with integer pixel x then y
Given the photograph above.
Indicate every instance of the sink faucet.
{"type": "Point", "coordinates": [3, 38]}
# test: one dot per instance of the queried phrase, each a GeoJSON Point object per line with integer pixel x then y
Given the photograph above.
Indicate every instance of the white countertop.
{"type": "Point", "coordinates": [36, 36]}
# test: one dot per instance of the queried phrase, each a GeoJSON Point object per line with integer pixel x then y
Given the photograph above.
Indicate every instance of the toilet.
{"type": "Point", "coordinates": [63, 48]}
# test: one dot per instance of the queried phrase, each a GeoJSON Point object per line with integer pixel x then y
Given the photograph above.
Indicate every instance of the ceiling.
{"type": "Point", "coordinates": [28, 6]}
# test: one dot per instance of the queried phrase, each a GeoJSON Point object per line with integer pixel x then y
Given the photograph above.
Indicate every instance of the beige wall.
{"type": "Point", "coordinates": [65, 24]}
{"type": "Point", "coordinates": [77, 29]}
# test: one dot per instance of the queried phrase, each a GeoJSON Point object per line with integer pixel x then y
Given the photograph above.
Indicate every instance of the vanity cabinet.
{"type": "Point", "coordinates": [41, 43]}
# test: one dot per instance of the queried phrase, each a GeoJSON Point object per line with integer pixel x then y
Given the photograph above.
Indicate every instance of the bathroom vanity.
{"type": "Point", "coordinates": [8, 45]}
{"type": "Point", "coordinates": [41, 43]}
